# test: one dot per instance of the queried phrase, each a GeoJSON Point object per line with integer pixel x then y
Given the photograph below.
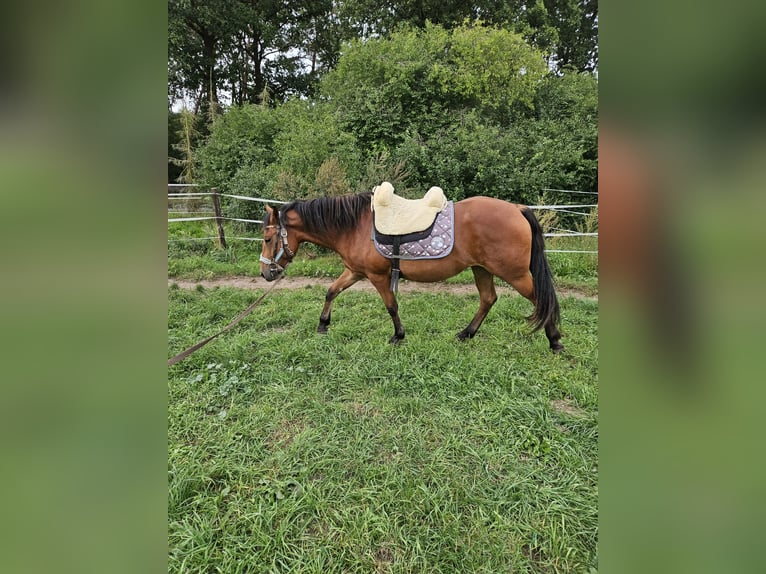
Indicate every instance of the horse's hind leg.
{"type": "Point", "coordinates": [525, 287]}
{"type": "Point", "coordinates": [346, 280]}
{"type": "Point", "coordinates": [485, 284]}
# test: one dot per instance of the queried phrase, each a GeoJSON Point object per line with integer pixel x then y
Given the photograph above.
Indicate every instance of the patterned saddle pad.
{"type": "Point", "coordinates": [435, 242]}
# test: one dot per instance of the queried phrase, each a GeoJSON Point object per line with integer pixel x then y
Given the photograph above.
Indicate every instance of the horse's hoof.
{"type": "Point", "coordinates": [464, 335]}
{"type": "Point", "coordinates": [395, 340]}
{"type": "Point", "coordinates": [557, 348]}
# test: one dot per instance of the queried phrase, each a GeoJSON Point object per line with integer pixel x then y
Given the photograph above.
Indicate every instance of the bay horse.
{"type": "Point", "coordinates": [492, 237]}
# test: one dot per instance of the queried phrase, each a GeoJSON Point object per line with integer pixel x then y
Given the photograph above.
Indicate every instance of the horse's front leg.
{"type": "Point", "coordinates": [383, 284]}
{"type": "Point", "coordinates": [346, 280]}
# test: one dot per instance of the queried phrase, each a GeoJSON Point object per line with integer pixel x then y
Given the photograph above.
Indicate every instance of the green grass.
{"type": "Point", "coordinates": [294, 452]}
{"type": "Point", "coordinates": [574, 270]}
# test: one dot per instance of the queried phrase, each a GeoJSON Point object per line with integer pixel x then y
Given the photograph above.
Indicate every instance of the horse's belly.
{"type": "Point", "coordinates": [429, 270]}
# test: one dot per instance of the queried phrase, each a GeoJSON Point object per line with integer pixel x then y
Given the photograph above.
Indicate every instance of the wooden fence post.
{"type": "Point", "coordinates": [218, 217]}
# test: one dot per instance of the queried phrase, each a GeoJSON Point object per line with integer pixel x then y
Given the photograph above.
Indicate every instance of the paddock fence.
{"type": "Point", "coordinates": [187, 206]}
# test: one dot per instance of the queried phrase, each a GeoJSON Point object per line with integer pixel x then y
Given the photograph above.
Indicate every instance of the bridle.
{"type": "Point", "coordinates": [273, 264]}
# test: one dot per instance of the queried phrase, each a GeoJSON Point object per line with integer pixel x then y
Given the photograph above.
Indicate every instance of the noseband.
{"type": "Point", "coordinates": [273, 264]}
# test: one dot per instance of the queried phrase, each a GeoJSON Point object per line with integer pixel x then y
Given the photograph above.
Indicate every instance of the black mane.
{"type": "Point", "coordinates": [331, 214]}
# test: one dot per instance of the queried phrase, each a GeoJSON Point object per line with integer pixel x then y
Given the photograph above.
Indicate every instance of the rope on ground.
{"type": "Point", "coordinates": [183, 354]}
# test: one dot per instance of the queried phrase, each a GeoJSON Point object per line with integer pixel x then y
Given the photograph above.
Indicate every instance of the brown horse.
{"type": "Point", "coordinates": [492, 237]}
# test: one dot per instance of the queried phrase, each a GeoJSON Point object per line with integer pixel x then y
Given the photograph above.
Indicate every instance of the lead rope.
{"type": "Point", "coordinates": [182, 355]}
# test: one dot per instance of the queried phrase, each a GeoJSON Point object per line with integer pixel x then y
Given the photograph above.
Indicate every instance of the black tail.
{"type": "Point", "coordinates": [546, 302]}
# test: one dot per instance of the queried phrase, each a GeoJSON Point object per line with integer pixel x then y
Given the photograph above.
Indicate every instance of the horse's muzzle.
{"type": "Point", "coordinates": [272, 274]}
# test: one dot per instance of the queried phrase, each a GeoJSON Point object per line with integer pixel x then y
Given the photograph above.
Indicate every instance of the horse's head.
{"type": "Point", "coordinates": [276, 253]}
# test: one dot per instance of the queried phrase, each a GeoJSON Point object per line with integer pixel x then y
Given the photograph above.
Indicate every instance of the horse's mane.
{"type": "Point", "coordinates": [331, 214]}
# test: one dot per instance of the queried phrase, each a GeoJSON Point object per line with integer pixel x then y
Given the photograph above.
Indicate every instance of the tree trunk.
{"type": "Point", "coordinates": [209, 55]}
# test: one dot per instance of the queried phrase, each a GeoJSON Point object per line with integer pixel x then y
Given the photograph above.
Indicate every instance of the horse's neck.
{"type": "Point", "coordinates": [339, 240]}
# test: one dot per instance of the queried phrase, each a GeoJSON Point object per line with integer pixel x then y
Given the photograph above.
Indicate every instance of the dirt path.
{"type": "Point", "coordinates": [364, 285]}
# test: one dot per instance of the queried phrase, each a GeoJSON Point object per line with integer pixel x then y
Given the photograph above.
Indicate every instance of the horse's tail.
{"type": "Point", "coordinates": [546, 303]}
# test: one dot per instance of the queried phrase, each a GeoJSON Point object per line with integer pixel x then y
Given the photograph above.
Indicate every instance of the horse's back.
{"type": "Point", "coordinates": [489, 218]}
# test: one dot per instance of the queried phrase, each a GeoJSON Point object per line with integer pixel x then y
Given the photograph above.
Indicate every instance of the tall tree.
{"type": "Point", "coordinates": [197, 29]}
{"type": "Point", "coordinates": [414, 79]}
{"type": "Point", "coordinates": [576, 22]}
{"type": "Point", "coordinates": [187, 140]}
{"type": "Point", "coordinates": [248, 48]}
{"type": "Point", "coordinates": [565, 29]}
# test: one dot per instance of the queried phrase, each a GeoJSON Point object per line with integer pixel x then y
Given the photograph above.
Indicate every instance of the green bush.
{"type": "Point", "coordinates": [310, 136]}
{"type": "Point", "coordinates": [472, 110]}
{"type": "Point", "coordinates": [243, 136]}
{"type": "Point", "coordinates": [250, 181]}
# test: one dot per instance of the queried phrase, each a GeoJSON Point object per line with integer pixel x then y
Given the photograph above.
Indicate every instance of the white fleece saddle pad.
{"type": "Point", "coordinates": [395, 215]}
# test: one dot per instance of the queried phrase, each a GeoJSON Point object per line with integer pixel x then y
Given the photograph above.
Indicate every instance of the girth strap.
{"type": "Point", "coordinates": [394, 287]}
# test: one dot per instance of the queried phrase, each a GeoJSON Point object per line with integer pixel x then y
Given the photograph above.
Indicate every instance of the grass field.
{"type": "Point", "coordinates": [294, 452]}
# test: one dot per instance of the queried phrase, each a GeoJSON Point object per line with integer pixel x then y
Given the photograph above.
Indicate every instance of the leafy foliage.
{"type": "Point", "coordinates": [471, 109]}
{"type": "Point", "coordinates": [415, 79]}
{"type": "Point", "coordinates": [243, 137]}
{"type": "Point", "coordinates": [310, 136]}
{"type": "Point", "coordinates": [246, 49]}
{"type": "Point", "coordinates": [555, 146]}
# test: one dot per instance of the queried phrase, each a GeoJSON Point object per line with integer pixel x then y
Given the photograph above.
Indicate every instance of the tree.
{"type": "Point", "coordinates": [554, 146]}
{"type": "Point", "coordinates": [187, 137]}
{"type": "Point", "coordinates": [414, 79]}
{"type": "Point", "coordinates": [566, 30]}
{"type": "Point", "coordinates": [243, 136]}
{"type": "Point", "coordinates": [196, 32]}
{"type": "Point", "coordinates": [174, 156]}
{"type": "Point", "coordinates": [245, 47]}
{"type": "Point", "coordinates": [474, 109]}
{"type": "Point", "coordinates": [576, 22]}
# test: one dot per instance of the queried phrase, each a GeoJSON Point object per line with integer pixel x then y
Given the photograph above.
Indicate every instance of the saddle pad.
{"type": "Point", "coordinates": [437, 244]}
{"type": "Point", "coordinates": [395, 215]}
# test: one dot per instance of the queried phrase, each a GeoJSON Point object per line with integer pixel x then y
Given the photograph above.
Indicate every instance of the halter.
{"type": "Point", "coordinates": [273, 264]}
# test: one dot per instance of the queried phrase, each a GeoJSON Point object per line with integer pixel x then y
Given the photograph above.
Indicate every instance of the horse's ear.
{"type": "Point", "coordinates": [266, 217]}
